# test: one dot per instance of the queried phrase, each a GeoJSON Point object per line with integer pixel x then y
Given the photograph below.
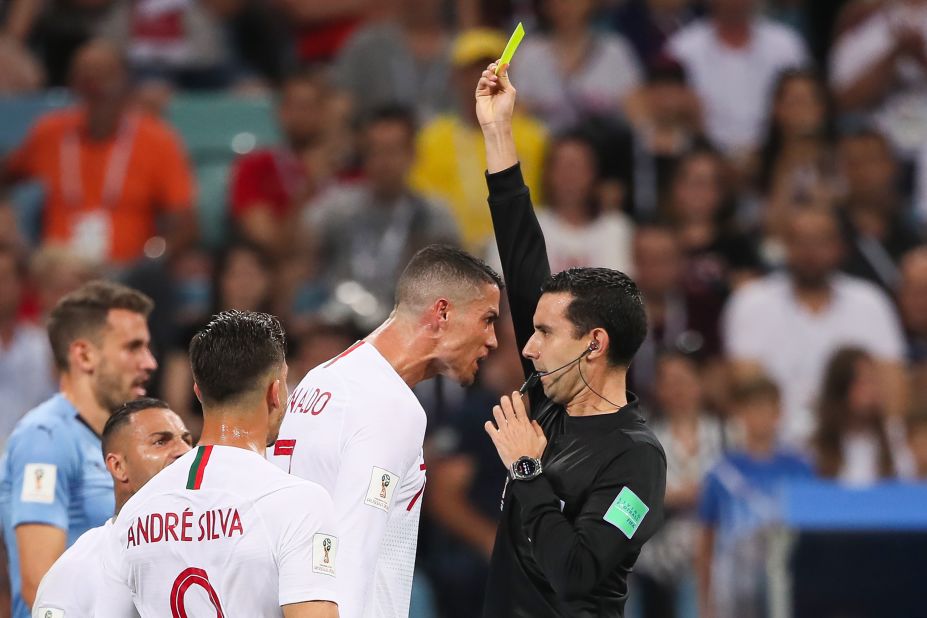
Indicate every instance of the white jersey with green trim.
{"type": "Point", "coordinates": [354, 427]}
{"type": "Point", "coordinates": [215, 534]}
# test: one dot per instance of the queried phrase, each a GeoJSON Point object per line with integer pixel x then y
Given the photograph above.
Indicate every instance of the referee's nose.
{"type": "Point", "coordinates": [530, 350]}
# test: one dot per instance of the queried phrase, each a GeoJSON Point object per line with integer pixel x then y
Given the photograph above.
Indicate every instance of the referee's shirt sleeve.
{"type": "Point", "coordinates": [623, 509]}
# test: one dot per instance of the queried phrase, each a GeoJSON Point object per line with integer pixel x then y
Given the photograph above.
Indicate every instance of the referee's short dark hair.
{"type": "Point", "coordinates": [604, 298]}
{"type": "Point", "coordinates": [442, 270]}
{"type": "Point", "coordinates": [123, 416]}
{"type": "Point", "coordinates": [233, 352]}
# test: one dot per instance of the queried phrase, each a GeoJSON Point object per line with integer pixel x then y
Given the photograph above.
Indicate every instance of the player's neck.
{"type": "Point", "coordinates": [233, 428]}
{"type": "Point", "coordinates": [396, 341]}
{"type": "Point", "coordinates": [80, 393]}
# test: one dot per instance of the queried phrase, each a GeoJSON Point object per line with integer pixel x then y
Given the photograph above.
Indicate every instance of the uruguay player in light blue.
{"type": "Point", "coordinates": [54, 485]}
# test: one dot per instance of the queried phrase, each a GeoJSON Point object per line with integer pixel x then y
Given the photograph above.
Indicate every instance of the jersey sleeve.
{"type": "Point", "coordinates": [114, 599]}
{"type": "Point", "coordinates": [306, 543]}
{"type": "Point", "coordinates": [623, 509]}
{"type": "Point", "coordinates": [373, 459]}
{"type": "Point", "coordinates": [43, 467]}
{"type": "Point", "coordinates": [522, 250]}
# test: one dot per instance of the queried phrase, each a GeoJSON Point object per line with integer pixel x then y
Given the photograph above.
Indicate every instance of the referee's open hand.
{"type": "Point", "coordinates": [513, 433]}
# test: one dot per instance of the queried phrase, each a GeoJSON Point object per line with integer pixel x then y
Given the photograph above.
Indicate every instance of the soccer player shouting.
{"type": "Point", "coordinates": [354, 426]}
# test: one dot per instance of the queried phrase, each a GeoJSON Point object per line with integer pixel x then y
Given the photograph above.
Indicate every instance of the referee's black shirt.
{"type": "Point", "coordinates": [568, 539]}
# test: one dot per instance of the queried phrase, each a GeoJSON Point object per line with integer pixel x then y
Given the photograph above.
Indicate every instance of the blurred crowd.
{"type": "Point", "coordinates": [758, 166]}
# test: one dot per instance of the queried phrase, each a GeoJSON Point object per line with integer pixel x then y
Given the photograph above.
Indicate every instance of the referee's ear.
{"type": "Point", "coordinates": [598, 344]}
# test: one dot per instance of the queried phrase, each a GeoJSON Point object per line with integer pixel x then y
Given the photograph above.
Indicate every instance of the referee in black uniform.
{"type": "Point", "coordinates": [586, 475]}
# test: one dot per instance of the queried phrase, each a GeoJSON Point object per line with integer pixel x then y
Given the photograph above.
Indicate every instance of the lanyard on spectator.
{"type": "Point", "coordinates": [117, 166]}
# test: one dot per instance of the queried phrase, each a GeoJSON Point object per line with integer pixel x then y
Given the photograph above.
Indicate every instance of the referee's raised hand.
{"type": "Point", "coordinates": [495, 97]}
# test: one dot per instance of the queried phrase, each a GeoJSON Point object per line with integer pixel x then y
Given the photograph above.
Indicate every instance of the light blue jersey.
{"type": "Point", "coordinates": [52, 472]}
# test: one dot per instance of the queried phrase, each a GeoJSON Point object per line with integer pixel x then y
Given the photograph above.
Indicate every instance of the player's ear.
{"type": "Point", "coordinates": [116, 465]}
{"type": "Point", "coordinates": [276, 395]}
{"type": "Point", "coordinates": [196, 391]}
{"type": "Point", "coordinates": [437, 314]}
{"type": "Point", "coordinates": [82, 355]}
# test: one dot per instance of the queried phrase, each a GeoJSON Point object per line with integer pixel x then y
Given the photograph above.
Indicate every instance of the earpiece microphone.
{"type": "Point", "coordinates": [533, 379]}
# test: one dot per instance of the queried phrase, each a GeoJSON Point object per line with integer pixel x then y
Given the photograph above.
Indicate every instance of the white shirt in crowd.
{"type": "Point", "coordinates": [902, 115]}
{"type": "Point", "coordinates": [355, 427]}
{"type": "Point", "coordinates": [764, 322]}
{"type": "Point", "coordinates": [71, 585]}
{"type": "Point", "coordinates": [608, 74]}
{"type": "Point", "coordinates": [219, 532]}
{"type": "Point", "coordinates": [735, 84]}
{"type": "Point", "coordinates": [27, 377]}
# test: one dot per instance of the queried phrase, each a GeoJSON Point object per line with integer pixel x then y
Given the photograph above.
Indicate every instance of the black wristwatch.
{"type": "Point", "coordinates": [525, 468]}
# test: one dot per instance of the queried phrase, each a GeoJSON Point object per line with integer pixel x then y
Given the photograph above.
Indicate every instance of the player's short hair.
{"type": "Point", "coordinates": [443, 270]}
{"type": "Point", "coordinates": [233, 352]}
{"type": "Point", "coordinates": [756, 389]}
{"type": "Point", "coordinates": [83, 313]}
{"type": "Point", "coordinates": [604, 298]}
{"type": "Point", "coordinates": [123, 416]}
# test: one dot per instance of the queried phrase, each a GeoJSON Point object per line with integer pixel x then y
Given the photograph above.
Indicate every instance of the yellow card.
{"type": "Point", "coordinates": [511, 46]}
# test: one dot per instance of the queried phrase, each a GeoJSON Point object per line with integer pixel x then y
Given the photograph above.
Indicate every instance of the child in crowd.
{"type": "Point", "coordinates": [739, 503]}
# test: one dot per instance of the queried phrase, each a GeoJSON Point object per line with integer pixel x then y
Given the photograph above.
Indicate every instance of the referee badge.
{"type": "Point", "coordinates": [626, 512]}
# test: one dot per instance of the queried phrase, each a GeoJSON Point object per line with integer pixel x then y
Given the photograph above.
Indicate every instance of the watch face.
{"type": "Point", "coordinates": [526, 467]}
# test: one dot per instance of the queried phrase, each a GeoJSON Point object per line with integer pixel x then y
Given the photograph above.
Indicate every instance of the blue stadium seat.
{"type": "Point", "coordinates": [17, 114]}
{"type": "Point", "coordinates": [212, 209]}
{"type": "Point", "coordinates": [218, 127]}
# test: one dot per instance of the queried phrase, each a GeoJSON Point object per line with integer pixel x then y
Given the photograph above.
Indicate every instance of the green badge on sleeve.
{"type": "Point", "coordinates": [627, 512]}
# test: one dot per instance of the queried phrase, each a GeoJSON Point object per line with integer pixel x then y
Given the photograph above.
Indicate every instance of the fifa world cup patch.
{"type": "Point", "coordinates": [383, 484]}
{"type": "Point", "coordinates": [39, 483]}
{"type": "Point", "coordinates": [49, 612]}
{"type": "Point", "coordinates": [627, 512]}
{"type": "Point", "coordinates": [324, 551]}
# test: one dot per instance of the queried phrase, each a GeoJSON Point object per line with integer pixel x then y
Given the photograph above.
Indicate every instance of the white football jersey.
{"type": "Point", "coordinates": [355, 428]}
{"type": "Point", "coordinates": [71, 585]}
{"type": "Point", "coordinates": [216, 534]}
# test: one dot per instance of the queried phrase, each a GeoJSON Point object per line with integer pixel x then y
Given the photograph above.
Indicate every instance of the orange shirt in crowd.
{"type": "Point", "coordinates": [121, 184]}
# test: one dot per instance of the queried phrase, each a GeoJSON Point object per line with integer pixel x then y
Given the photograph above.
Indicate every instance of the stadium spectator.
{"type": "Point", "coordinates": [577, 230]}
{"type": "Point", "coordinates": [877, 69]}
{"type": "Point", "coordinates": [270, 185]}
{"type": "Point", "coordinates": [20, 73]}
{"type": "Point", "coordinates": [449, 150]}
{"type": "Point", "coordinates": [789, 324]}
{"type": "Point", "coordinates": [53, 483]}
{"type": "Point", "coordinates": [401, 61]}
{"type": "Point", "coordinates": [701, 208]}
{"type": "Point", "coordinates": [26, 373]}
{"type": "Point", "coordinates": [738, 505]}
{"type": "Point", "coordinates": [917, 442]}
{"type": "Point", "coordinates": [179, 44]}
{"type": "Point", "coordinates": [854, 441]}
{"type": "Point", "coordinates": [112, 176]}
{"type": "Point", "coordinates": [571, 71]}
{"type": "Point", "coordinates": [56, 30]}
{"type": "Point", "coordinates": [320, 28]}
{"type": "Point", "coordinates": [733, 59]}
{"type": "Point", "coordinates": [674, 321]}
{"type": "Point", "coordinates": [912, 303]}
{"type": "Point", "coordinates": [54, 272]}
{"type": "Point", "coordinates": [877, 222]}
{"type": "Point", "coordinates": [367, 231]}
{"type": "Point", "coordinates": [647, 24]}
{"type": "Point", "coordinates": [693, 441]}
{"type": "Point", "coordinates": [796, 162]}
{"type": "Point", "coordinates": [665, 120]}
{"type": "Point", "coordinates": [242, 280]}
